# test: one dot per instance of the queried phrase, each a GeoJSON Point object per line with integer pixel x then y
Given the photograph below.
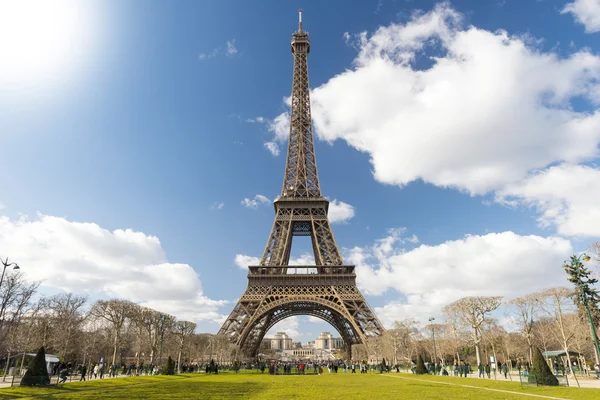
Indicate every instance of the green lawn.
{"type": "Point", "coordinates": [252, 385]}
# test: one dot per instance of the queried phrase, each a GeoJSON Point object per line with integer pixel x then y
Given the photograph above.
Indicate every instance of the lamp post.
{"type": "Point", "coordinates": [577, 261]}
{"type": "Point", "coordinates": [5, 265]}
{"type": "Point", "coordinates": [434, 349]}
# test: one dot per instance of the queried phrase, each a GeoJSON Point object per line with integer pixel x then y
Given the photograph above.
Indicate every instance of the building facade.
{"type": "Point", "coordinates": [281, 341]}
{"type": "Point", "coordinates": [326, 341]}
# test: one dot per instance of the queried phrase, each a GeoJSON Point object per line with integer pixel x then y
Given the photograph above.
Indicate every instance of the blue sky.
{"type": "Point", "coordinates": [144, 117]}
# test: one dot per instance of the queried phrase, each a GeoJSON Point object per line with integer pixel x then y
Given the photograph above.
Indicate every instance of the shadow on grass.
{"type": "Point", "coordinates": [174, 390]}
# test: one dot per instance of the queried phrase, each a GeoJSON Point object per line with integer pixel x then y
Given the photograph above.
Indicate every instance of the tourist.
{"type": "Point", "coordinates": [63, 374]}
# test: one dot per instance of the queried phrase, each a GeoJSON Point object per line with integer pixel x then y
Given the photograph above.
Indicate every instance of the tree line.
{"type": "Point", "coordinates": [81, 332]}
{"type": "Point", "coordinates": [550, 319]}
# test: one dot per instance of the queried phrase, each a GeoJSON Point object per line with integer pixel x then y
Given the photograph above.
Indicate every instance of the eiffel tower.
{"type": "Point", "coordinates": [277, 290]}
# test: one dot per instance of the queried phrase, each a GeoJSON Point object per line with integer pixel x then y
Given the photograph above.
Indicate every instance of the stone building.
{"type": "Point", "coordinates": [326, 341]}
{"type": "Point", "coordinates": [281, 341]}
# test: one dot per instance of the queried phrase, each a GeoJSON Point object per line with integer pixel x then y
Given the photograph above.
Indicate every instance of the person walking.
{"type": "Point", "coordinates": [487, 370]}
{"type": "Point", "coordinates": [481, 370]}
{"type": "Point", "coordinates": [83, 372]}
{"type": "Point", "coordinates": [505, 370]}
{"type": "Point", "coordinates": [63, 374]}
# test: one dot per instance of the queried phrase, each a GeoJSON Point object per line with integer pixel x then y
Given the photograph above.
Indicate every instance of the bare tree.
{"type": "Point", "coordinates": [471, 312]}
{"type": "Point", "coordinates": [581, 338]}
{"type": "Point", "coordinates": [494, 335]}
{"type": "Point", "coordinates": [359, 352]}
{"type": "Point", "coordinates": [183, 330]}
{"type": "Point", "coordinates": [116, 312]}
{"type": "Point", "coordinates": [66, 314]}
{"type": "Point", "coordinates": [156, 325]}
{"type": "Point", "coordinates": [15, 297]}
{"type": "Point", "coordinates": [556, 303]}
{"type": "Point", "coordinates": [523, 310]}
{"type": "Point", "coordinates": [406, 332]}
{"type": "Point", "coordinates": [542, 334]}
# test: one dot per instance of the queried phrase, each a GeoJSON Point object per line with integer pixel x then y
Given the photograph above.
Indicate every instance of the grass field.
{"type": "Point", "coordinates": [252, 385]}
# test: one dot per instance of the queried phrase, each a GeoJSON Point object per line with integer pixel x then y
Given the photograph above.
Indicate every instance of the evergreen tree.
{"type": "Point", "coordinates": [578, 273]}
{"type": "Point", "coordinates": [169, 368]}
{"type": "Point", "coordinates": [37, 373]}
{"type": "Point", "coordinates": [420, 370]}
{"type": "Point", "coordinates": [542, 371]}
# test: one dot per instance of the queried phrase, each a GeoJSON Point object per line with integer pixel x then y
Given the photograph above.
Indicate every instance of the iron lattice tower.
{"type": "Point", "coordinates": [276, 290]}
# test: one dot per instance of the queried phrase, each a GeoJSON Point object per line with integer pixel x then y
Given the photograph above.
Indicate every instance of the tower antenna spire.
{"type": "Point", "coordinates": [300, 20]}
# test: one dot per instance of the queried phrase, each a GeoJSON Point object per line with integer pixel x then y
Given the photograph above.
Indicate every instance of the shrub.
{"type": "Point", "coordinates": [37, 373]}
{"type": "Point", "coordinates": [420, 370]}
{"type": "Point", "coordinates": [542, 371]}
{"type": "Point", "coordinates": [169, 368]}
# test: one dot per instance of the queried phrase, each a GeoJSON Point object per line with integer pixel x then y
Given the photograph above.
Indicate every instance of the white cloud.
{"type": "Point", "coordinates": [471, 120]}
{"type": "Point", "coordinates": [217, 205]}
{"type": "Point", "coordinates": [243, 261]}
{"type": "Point", "coordinates": [289, 325]}
{"type": "Point", "coordinates": [586, 12]}
{"type": "Point", "coordinates": [272, 147]}
{"type": "Point", "coordinates": [340, 211]}
{"type": "Point", "coordinates": [280, 126]}
{"type": "Point", "coordinates": [231, 49]}
{"type": "Point", "coordinates": [565, 196]}
{"type": "Point", "coordinates": [504, 264]}
{"type": "Point", "coordinates": [255, 202]}
{"type": "Point", "coordinates": [303, 259]}
{"type": "Point", "coordinates": [490, 109]}
{"type": "Point", "coordinates": [83, 257]}
{"type": "Point", "coordinates": [209, 55]}
{"type": "Point", "coordinates": [257, 120]}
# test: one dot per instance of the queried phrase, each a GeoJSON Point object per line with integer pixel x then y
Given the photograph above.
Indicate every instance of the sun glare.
{"type": "Point", "coordinates": [42, 42]}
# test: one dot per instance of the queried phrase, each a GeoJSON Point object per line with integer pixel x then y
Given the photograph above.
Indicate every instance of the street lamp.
{"type": "Point", "coordinates": [577, 261]}
{"type": "Point", "coordinates": [434, 349]}
{"type": "Point", "coordinates": [5, 265]}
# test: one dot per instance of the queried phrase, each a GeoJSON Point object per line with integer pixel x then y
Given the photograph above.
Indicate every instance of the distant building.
{"type": "Point", "coordinates": [326, 341]}
{"type": "Point", "coordinates": [281, 341]}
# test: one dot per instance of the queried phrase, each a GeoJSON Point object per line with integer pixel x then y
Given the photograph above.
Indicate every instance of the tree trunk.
{"type": "Point", "coordinates": [22, 362]}
{"type": "Point", "coordinates": [566, 348]}
{"type": "Point", "coordinates": [179, 362]}
{"type": "Point", "coordinates": [6, 367]}
{"type": "Point", "coordinates": [114, 357]}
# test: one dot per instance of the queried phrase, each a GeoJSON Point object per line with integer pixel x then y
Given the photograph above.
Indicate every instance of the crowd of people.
{"type": "Point", "coordinates": [462, 369]}
{"type": "Point", "coordinates": [286, 368]}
